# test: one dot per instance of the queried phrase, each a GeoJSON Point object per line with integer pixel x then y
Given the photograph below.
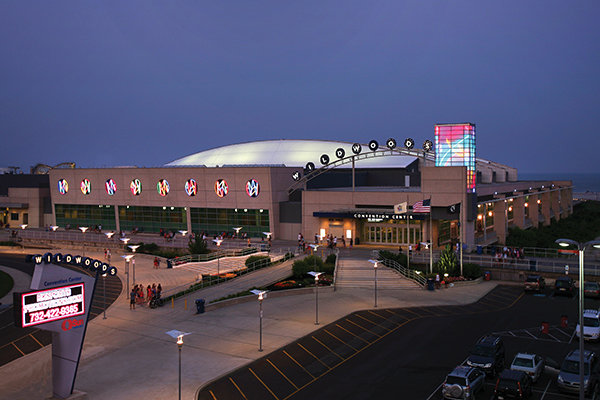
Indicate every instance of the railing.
{"type": "Point", "coordinates": [408, 273]}
{"type": "Point", "coordinates": [244, 251]}
{"type": "Point", "coordinates": [211, 280]}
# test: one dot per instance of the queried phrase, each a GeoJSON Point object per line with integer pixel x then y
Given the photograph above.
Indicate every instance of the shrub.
{"type": "Point", "coordinates": [197, 246]}
{"type": "Point", "coordinates": [258, 261]}
{"type": "Point", "coordinates": [330, 259]}
{"type": "Point", "coordinates": [471, 271]}
{"type": "Point", "coordinates": [447, 262]}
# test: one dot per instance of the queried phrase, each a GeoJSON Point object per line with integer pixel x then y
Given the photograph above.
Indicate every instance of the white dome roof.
{"type": "Point", "coordinates": [286, 152]}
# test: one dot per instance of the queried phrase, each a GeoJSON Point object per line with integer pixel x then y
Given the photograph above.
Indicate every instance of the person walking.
{"type": "Point", "coordinates": [132, 297]}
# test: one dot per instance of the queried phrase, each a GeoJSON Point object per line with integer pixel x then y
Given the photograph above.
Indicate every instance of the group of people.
{"type": "Point", "coordinates": [143, 297]}
{"type": "Point", "coordinates": [514, 253]}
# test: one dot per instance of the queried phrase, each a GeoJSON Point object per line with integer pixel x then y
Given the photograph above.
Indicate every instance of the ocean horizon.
{"type": "Point", "coordinates": [582, 182]}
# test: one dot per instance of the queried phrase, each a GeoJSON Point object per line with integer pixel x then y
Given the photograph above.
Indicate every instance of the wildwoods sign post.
{"type": "Point", "coordinates": [60, 301]}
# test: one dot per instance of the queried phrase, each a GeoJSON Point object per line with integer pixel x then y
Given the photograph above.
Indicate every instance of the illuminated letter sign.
{"type": "Point", "coordinates": [162, 187]}
{"type": "Point", "coordinates": [340, 153]}
{"type": "Point", "coordinates": [49, 305]}
{"type": "Point", "coordinates": [356, 148]}
{"type": "Point", "coordinates": [111, 187]}
{"type": "Point", "coordinates": [191, 187]}
{"type": "Point", "coordinates": [63, 186]}
{"type": "Point", "coordinates": [373, 145]}
{"type": "Point", "coordinates": [252, 188]}
{"type": "Point", "coordinates": [221, 188]}
{"type": "Point", "coordinates": [86, 186]}
{"type": "Point", "coordinates": [136, 187]}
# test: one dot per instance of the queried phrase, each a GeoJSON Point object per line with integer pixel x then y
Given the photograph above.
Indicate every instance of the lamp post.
{"type": "Point", "coordinates": [175, 334]}
{"type": "Point", "coordinates": [83, 229]}
{"type": "Point", "coordinates": [262, 294]}
{"type": "Point", "coordinates": [218, 243]}
{"type": "Point", "coordinates": [315, 247]}
{"type": "Point", "coordinates": [237, 231]}
{"type": "Point", "coordinates": [581, 248]}
{"type": "Point", "coordinates": [127, 258]}
{"type": "Point", "coordinates": [104, 294]}
{"type": "Point", "coordinates": [23, 226]}
{"type": "Point", "coordinates": [316, 275]}
{"type": "Point", "coordinates": [375, 262]}
{"type": "Point", "coordinates": [133, 248]}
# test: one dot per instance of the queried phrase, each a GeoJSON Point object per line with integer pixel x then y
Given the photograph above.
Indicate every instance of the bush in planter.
{"type": "Point", "coordinates": [471, 271]}
{"type": "Point", "coordinates": [400, 258]}
{"type": "Point", "coordinates": [258, 261]}
{"type": "Point", "coordinates": [447, 262]}
{"type": "Point", "coordinates": [330, 259]}
{"type": "Point", "coordinates": [304, 266]}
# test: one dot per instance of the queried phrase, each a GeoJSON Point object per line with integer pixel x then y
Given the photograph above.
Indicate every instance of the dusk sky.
{"type": "Point", "coordinates": [114, 83]}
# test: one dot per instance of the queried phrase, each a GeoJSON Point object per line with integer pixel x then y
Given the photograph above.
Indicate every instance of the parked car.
{"type": "Point", "coordinates": [488, 355]}
{"type": "Point", "coordinates": [515, 384]}
{"type": "Point", "coordinates": [535, 283]}
{"type": "Point", "coordinates": [591, 290]}
{"type": "Point", "coordinates": [564, 285]}
{"type": "Point", "coordinates": [531, 364]}
{"type": "Point", "coordinates": [591, 325]}
{"type": "Point", "coordinates": [463, 383]}
{"type": "Point", "coordinates": [568, 378]}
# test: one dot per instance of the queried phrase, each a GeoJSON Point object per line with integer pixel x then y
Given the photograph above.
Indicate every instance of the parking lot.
{"type": "Point", "coordinates": [407, 352]}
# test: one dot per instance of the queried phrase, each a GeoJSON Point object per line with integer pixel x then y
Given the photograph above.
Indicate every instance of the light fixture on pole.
{"type": "Point", "coordinates": [316, 275]}
{"type": "Point", "coordinates": [262, 294]}
{"type": "Point", "coordinates": [375, 262]}
{"type": "Point", "coordinates": [83, 229]}
{"type": "Point", "coordinates": [54, 228]}
{"type": "Point", "coordinates": [237, 231]}
{"type": "Point", "coordinates": [104, 293]}
{"type": "Point", "coordinates": [23, 226]}
{"type": "Point", "coordinates": [109, 235]}
{"type": "Point", "coordinates": [315, 247]}
{"type": "Point", "coordinates": [127, 258]}
{"type": "Point", "coordinates": [133, 248]}
{"type": "Point", "coordinates": [581, 248]}
{"type": "Point", "coordinates": [175, 334]}
{"type": "Point", "coordinates": [218, 243]}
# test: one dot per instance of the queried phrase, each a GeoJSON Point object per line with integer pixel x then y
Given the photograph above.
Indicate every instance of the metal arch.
{"type": "Point", "coordinates": [38, 169]}
{"type": "Point", "coordinates": [430, 156]}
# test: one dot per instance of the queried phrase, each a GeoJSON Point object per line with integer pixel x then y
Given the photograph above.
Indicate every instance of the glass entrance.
{"type": "Point", "coordinates": [392, 233]}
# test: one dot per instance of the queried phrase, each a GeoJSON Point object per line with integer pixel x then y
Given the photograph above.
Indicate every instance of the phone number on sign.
{"type": "Point", "coordinates": [54, 313]}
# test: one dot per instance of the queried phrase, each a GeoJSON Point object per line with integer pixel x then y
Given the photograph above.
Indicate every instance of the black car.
{"type": "Point", "coordinates": [488, 355]}
{"type": "Point", "coordinates": [564, 285]}
{"type": "Point", "coordinates": [513, 384]}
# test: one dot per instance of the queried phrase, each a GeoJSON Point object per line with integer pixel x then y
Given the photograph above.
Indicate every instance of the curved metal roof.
{"type": "Point", "coordinates": [285, 152]}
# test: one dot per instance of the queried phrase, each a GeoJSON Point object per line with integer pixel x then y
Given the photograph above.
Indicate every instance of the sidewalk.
{"type": "Point", "coordinates": [130, 355]}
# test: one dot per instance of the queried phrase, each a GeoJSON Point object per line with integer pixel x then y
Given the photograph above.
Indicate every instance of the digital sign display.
{"type": "Point", "coordinates": [86, 187]}
{"type": "Point", "coordinates": [221, 188]}
{"type": "Point", "coordinates": [191, 187]}
{"type": "Point", "coordinates": [455, 146]}
{"type": "Point", "coordinates": [111, 187]}
{"type": "Point", "coordinates": [136, 187]}
{"type": "Point", "coordinates": [51, 304]}
{"type": "Point", "coordinates": [63, 186]}
{"type": "Point", "coordinates": [163, 187]}
{"type": "Point", "coordinates": [252, 188]}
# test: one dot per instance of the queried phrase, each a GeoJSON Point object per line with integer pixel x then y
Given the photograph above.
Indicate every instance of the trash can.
{"type": "Point", "coordinates": [488, 275]}
{"type": "Point", "coordinates": [357, 241]}
{"type": "Point", "coordinates": [564, 321]}
{"type": "Point", "coordinates": [430, 284]}
{"type": "Point", "coordinates": [200, 306]}
{"type": "Point", "coordinates": [533, 265]}
{"type": "Point", "coordinates": [545, 327]}
{"type": "Point", "coordinates": [479, 250]}
{"type": "Point", "coordinates": [169, 264]}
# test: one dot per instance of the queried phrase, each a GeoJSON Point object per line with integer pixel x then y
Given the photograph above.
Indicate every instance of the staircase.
{"type": "Point", "coordinates": [360, 274]}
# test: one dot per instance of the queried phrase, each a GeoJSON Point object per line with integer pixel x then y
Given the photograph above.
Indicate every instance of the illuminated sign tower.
{"type": "Point", "coordinates": [455, 146]}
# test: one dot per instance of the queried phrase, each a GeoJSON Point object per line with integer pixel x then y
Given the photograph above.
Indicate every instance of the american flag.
{"type": "Point", "coordinates": [422, 206]}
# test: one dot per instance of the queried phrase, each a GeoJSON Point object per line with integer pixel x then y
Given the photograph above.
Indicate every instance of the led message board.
{"type": "Point", "coordinates": [455, 146]}
{"type": "Point", "coordinates": [136, 187]}
{"type": "Point", "coordinates": [252, 188]}
{"type": "Point", "coordinates": [111, 187]}
{"type": "Point", "coordinates": [43, 306]}
{"type": "Point", "coordinates": [163, 187]}
{"type": "Point", "coordinates": [221, 188]}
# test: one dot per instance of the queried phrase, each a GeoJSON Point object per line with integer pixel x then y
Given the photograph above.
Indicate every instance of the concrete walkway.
{"type": "Point", "coordinates": [22, 282]}
{"type": "Point", "coordinates": [129, 355]}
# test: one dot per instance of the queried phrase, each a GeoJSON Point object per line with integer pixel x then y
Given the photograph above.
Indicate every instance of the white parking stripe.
{"type": "Point", "coordinates": [545, 390]}
{"type": "Point", "coordinates": [435, 391]}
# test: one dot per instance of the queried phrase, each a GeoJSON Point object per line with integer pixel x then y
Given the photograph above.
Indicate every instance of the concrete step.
{"type": "Point", "coordinates": [361, 274]}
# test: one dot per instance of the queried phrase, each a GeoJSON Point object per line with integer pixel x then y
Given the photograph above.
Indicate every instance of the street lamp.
{"type": "Point", "coordinates": [175, 334]}
{"type": "Point", "coordinates": [104, 293]}
{"type": "Point", "coordinates": [218, 243]}
{"type": "Point", "coordinates": [133, 248]}
{"type": "Point", "coordinates": [237, 231]}
{"type": "Point", "coordinates": [581, 248]}
{"type": "Point", "coordinates": [262, 294]}
{"type": "Point", "coordinates": [127, 258]}
{"type": "Point", "coordinates": [316, 275]}
{"type": "Point", "coordinates": [109, 235]}
{"type": "Point", "coordinates": [23, 226]}
{"type": "Point", "coordinates": [83, 229]}
{"type": "Point", "coordinates": [375, 262]}
{"type": "Point", "coordinates": [314, 247]}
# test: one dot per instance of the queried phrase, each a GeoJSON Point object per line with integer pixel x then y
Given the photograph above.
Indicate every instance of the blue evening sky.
{"type": "Point", "coordinates": [110, 83]}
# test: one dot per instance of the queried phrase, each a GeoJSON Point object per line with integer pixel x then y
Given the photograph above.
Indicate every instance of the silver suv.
{"type": "Point", "coordinates": [463, 383]}
{"type": "Point", "coordinates": [568, 378]}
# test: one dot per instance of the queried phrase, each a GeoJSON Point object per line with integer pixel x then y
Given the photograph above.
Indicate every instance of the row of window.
{"type": "Point", "coordinates": [163, 187]}
{"type": "Point", "coordinates": [153, 219]}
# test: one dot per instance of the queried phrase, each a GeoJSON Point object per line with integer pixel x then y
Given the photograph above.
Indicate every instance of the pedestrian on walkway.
{"type": "Point", "coordinates": [132, 297]}
{"type": "Point", "coordinates": [438, 283]}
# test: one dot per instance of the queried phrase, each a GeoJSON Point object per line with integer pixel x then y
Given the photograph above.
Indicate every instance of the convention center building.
{"type": "Point", "coordinates": [386, 194]}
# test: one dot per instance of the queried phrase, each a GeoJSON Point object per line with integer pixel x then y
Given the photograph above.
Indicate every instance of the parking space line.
{"type": "Point", "coordinates": [13, 343]}
{"type": "Point", "coordinates": [401, 316]}
{"type": "Point", "coordinates": [444, 311]}
{"type": "Point", "coordinates": [563, 332]}
{"type": "Point", "coordinates": [356, 336]}
{"type": "Point", "coordinates": [297, 363]}
{"type": "Point", "coordinates": [373, 322]}
{"type": "Point", "coordinates": [545, 390]}
{"type": "Point", "coordinates": [435, 391]}
{"type": "Point", "coordinates": [412, 312]}
{"type": "Point", "coordinates": [212, 394]}
{"type": "Point", "coordinates": [553, 337]}
{"type": "Point", "coordinates": [429, 311]}
{"type": "Point", "coordinates": [366, 330]}
{"type": "Point", "coordinates": [532, 335]}
{"type": "Point", "coordinates": [37, 341]}
{"type": "Point", "coordinates": [380, 316]}
{"type": "Point", "coordinates": [315, 357]}
{"type": "Point", "coordinates": [341, 341]}
{"type": "Point", "coordinates": [282, 374]}
{"type": "Point", "coordinates": [238, 388]}
{"type": "Point", "coordinates": [260, 380]}
{"type": "Point", "coordinates": [331, 351]}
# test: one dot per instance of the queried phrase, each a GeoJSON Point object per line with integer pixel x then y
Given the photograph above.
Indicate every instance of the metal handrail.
{"type": "Point", "coordinates": [408, 273]}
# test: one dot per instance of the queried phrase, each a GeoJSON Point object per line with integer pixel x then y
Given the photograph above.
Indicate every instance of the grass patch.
{"type": "Point", "coordinates": [6, 283]}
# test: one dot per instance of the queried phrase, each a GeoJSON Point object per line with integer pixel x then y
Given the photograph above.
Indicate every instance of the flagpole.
{"type": "Point", "coordinates": [408, 239]}
{"type": "Point", "coordinates": [430, 239]}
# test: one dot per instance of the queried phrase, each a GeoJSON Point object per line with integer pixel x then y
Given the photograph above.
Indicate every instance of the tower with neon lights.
{"type": "Point", "coordinates": [455, 146]}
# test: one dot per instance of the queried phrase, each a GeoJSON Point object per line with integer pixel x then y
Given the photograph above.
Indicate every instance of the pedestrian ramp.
{"type": "Point", "coordinates": [360, 274]}
{"type": "Point", "coordinates": [220, 266]}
